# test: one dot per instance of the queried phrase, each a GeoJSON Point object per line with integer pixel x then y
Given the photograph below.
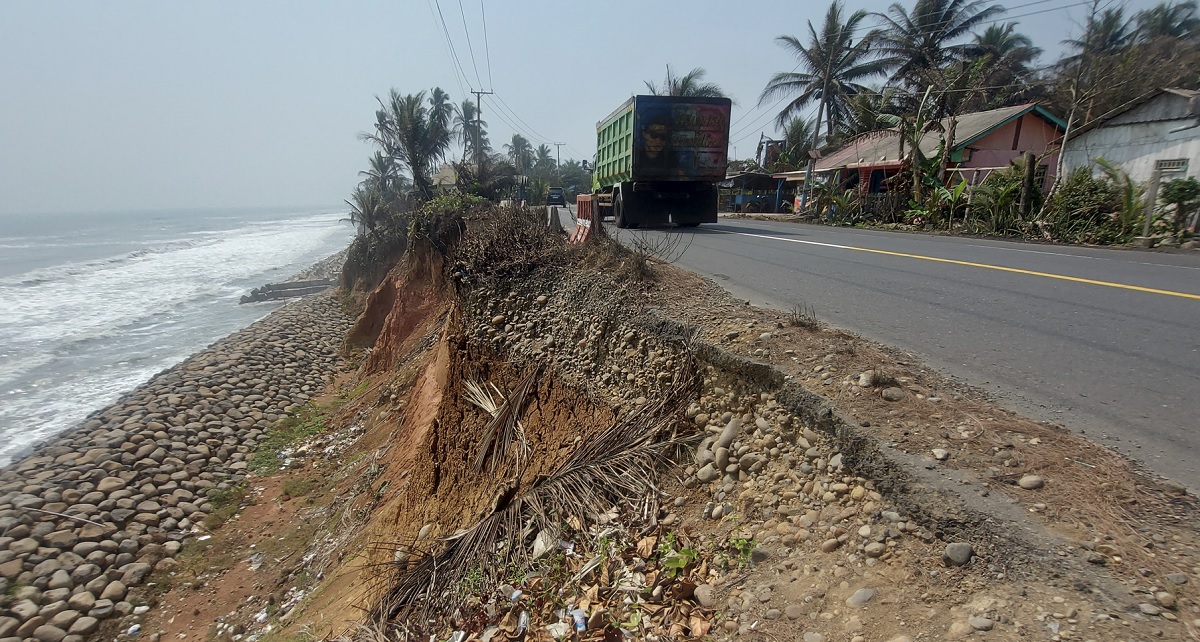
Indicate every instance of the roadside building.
{"type": "Point", "coordinates": [1159, 131]}
{"type": "Point", "coordinates": [983, 142]}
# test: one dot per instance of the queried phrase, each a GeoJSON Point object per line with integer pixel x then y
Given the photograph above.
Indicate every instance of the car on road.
{"type": "Point", "coordinates": [556, 196]}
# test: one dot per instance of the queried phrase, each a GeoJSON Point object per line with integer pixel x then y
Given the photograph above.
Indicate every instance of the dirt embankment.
{"type": "Point", "coordinates": [832, 490]}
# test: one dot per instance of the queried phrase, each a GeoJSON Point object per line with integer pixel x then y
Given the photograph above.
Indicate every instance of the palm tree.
{"type": "Point", "coordinates": [472, 133]}
{"type": "Point", "coordinates": [1005, 58]}
{"type": "Point", "coordinates": [1109, 33]}
{"type": "Point", "coordinates": [413, 135]}
{"type": "Point", "coordinates": [1176, 21]}
{"type": "Point", "coordinates": [543, 160]}
{"type": "Point", "coordinates": [921, 43]}
{"type": "Point", "coordinates": [520, 153]}
{"type": "Point", "coordinates": [368, 209]}
{"type": "Point", "coordinates": [834, 65]}
{"type": "Point", "coordinates": [690, 84]}
{"type": "Point", "coordinates": [865, 109]}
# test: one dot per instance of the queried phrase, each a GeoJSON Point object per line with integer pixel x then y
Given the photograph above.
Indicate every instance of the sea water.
{"type": "Point", "coordinates": [93, 305]}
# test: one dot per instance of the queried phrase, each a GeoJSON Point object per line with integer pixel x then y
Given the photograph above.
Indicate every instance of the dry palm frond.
{"type": "Point", "coordinates": [505, 429]}
{"type": "Point", "coordinates": [617, 468]}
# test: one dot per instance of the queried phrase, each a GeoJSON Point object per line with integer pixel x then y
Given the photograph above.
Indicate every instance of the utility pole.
{"type": "Point", "coordinates": [558, 153]}
{"type": "Point", "coordinates": [478, 124]}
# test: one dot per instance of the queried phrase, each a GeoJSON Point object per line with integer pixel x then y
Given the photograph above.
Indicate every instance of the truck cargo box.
{"type": "Point", "coordinates": [663, 138]}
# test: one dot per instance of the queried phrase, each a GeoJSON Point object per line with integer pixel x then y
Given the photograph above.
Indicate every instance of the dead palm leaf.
{"type": "Point", "coordinates": [505, 428]}
{"type": "Point", "coordinates": [617, 468]}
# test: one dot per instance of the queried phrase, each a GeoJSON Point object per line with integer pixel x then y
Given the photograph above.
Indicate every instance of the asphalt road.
{"type": "Point", "coordinates": [1105, 342]}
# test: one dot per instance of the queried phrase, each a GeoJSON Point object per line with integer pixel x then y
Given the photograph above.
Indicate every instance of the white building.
{"type": "Point", "coordinates": [1161, 130]}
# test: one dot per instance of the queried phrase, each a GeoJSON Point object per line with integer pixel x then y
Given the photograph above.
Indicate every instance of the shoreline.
{"type": "Point", "coordinates": [91, 512]}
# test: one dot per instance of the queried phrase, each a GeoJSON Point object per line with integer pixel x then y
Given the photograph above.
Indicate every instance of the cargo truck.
{"type": "Point", "coordinates": [659, 159]}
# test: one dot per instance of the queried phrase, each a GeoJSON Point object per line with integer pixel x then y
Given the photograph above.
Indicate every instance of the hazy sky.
{"type": "Point", "coordinates": [121, 105]}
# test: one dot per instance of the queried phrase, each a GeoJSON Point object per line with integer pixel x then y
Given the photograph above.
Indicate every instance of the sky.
{"type": "Point", "coordinates": [124, 105]}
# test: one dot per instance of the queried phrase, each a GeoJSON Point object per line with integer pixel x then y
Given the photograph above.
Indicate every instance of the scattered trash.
{"type": "Point", "coordinates": [559, 630]}
{"type": "Point", "coordinates": [580, 617]}
{"type": "Point", "coordinates": [134, 630]}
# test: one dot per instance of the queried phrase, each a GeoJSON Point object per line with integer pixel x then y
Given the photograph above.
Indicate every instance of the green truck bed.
{"type": "Point", "coordinates": [663, 138]}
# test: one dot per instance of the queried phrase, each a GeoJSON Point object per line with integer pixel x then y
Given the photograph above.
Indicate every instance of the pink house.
{"type": "Point", "coordinates": [983, 142]}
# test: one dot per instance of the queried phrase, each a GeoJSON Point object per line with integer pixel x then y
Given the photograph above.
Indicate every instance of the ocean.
{"type": "Point", "coordinates": [94, 305]}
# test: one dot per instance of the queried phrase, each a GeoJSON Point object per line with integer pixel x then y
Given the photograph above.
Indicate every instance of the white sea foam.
{"type": "Point", "coordinates": [75, 335]}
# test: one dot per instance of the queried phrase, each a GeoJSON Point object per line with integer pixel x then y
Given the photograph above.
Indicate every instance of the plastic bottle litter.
{"type": "Point", "coordinates": [580, 617]}
{"type": "Point", "coordinates": [458, 636]}
{"type": "Point", "coordinates": [523, 621]}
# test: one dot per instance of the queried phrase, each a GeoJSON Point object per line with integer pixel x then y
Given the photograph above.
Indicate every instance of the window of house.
{"type": "Point", "coordinates": [1172, 165]}
{"type": "Point", "coordinates": [1039, 176]}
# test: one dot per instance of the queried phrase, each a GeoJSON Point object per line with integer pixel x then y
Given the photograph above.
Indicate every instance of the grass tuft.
{"type": "Point", "coordinates": [288, 432]}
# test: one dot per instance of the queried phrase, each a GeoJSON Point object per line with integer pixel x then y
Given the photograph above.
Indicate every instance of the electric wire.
{"type": "Point", "coordinates": [486, 50]}
{"type": "Point", "coordinates": [470, 47]}
{"type": "Point", "coordinates": [459, 76]}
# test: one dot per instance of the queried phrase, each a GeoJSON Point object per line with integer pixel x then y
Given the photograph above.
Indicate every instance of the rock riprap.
{"type": "Point", "coordinates": [92, 513]}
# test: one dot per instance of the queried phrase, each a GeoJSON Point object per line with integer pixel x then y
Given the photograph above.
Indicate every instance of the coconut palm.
{"type": "Point", "coordinates": [368, 209]}
{"type": "Point", "coordinates": [415, 136]}
{"type": "Point", "coordinates": [921, 43]}
{"type": "Point", "coordinates": [520, 153]}
{"type": "Point", "coordinates": [543, 159]}
{"type": "Point", "coordinates": [1176, 21]}
{"type": "Point", "coordinates": [865, 110]}
{"type": "Point", "coordinates": [834, 66]}
{"type": "Point", "coordinates": [470, 130]}
{"type": "Point", "coordinates": [690, 84]}
{"type": "Point", "coordinates": [1005, 59]}
{"type": "Point", "coordinates": [1108, 33]}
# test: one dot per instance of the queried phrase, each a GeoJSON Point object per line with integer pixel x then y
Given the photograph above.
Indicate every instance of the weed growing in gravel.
{"type": "Point", "coordinates": [289, 431]}
{"type": "Point", "coordinates": [741, 548]}
{"type": "Point", "coordinates": [803, 316]}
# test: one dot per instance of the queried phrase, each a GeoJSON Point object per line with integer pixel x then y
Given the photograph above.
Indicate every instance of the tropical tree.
{"type": "Point", "coordinates": [470, 130]}
{"type": "Point", "coordinates": [369, 209]}
{"type": "Point", "coordinates": [414, 135]}
{"type": "Point", "coordinates": [690, 84]}
{"type": "Point", "coordinates": [543, 160]}
{"type": "Point", "coordinates": [919, 44]}
{"type": "Point", "coordinates": [1108, 33]}
{"type": "Point", "coordinates": [492, 178]}
{"type": "Point", "coordinates": [520, 153]}
{"type": "Point", "coordinates": [865, 109]}
{"type": "Point", "coordinates": [834, 66]}
{"type": "Point", "coordinates": [572, 176]}
{"type": "Point", "coordinates": [1177, 21]}
{"type": "Point", "coordinates": [1006, 59]}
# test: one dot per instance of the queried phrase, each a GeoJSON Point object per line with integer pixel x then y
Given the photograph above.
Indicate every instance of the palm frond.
{"type": "Point", "coordinates": [616, 469]}
{"type": "Point", "coordinates": [505, 428]}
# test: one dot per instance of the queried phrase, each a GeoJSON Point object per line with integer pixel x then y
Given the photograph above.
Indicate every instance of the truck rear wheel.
{"type": "Point", "coordinates": [619, 212]}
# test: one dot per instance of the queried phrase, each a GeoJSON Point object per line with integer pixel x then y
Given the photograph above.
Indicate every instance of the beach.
{"type": "Point", "coordinates": [91, 513]}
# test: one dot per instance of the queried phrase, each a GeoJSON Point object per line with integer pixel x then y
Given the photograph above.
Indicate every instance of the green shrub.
{"type": "Point", "coordinates": [1088, 209]}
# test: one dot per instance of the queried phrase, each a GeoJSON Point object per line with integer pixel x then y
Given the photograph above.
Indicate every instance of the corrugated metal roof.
{"type": "Point", "coordinates": [883, 147]}
{"type": "Point", "coordinates": [1132, 105]}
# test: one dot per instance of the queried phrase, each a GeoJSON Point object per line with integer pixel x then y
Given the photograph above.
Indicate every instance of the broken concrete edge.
{"type": "Point", "coordinates": [863, 453]}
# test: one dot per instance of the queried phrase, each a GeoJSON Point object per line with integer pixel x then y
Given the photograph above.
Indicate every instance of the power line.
{"type": "Point", "coordinates": [458, 75]}
{"type": "Point", "coordinates": [487, 51]}
{"type": "Point", "coordinates": [470, 47]}
{"type": "Point", "coordinates": [450, 41]}
{"type": "Point", "coordinates": [543, 139]}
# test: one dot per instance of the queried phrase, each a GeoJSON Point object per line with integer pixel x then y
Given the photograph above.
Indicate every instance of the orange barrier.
{"type": "Point", "coordinates": [587, 222]}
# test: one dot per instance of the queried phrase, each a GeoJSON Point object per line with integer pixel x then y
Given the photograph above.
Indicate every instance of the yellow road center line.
{"type": "Point", "coordinates": [922, 257]}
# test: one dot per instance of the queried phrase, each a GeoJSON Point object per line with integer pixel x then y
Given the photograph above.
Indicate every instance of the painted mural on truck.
{"type": "Point", "coordinates": [681, 140]}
